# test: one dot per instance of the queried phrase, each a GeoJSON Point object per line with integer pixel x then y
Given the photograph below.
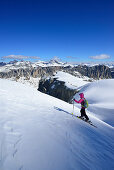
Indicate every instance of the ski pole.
{"type": "Point", "coordinates": [73, 107]}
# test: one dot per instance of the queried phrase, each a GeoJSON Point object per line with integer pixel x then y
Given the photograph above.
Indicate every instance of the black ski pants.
{"type": "Point", "coordinates": [83, 113]}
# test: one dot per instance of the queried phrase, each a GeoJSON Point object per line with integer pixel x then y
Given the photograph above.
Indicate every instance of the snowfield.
{"type": "Point", "coordinates": [38, 132]}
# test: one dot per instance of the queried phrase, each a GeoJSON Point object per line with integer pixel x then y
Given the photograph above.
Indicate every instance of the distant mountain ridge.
{"type": "Point", "coordinates": [39, 69]}
{"type": "Point", "coordinates": [56, 62]}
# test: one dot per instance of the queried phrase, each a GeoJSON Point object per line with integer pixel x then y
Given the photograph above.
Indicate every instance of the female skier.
{"type": "Point", "coordinates": [83, 113]}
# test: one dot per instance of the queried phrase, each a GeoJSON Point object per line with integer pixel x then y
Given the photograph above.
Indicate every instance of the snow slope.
{"type": "Point", "coordinates": [70, 80]}
{"type": "Point", "coordinates": [38, 132]}
{"type": "Point", "coordinates": [100, 95]}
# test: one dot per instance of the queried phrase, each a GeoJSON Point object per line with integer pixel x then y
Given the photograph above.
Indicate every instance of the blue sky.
{"type": "Point", "coordinates": [73, 30]}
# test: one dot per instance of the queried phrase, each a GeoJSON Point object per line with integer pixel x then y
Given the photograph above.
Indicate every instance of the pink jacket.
{"type": "Point", "coordinates": [81, 100]}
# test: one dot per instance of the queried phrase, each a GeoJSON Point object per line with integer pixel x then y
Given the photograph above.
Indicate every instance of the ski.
{"type": "Point", "coordinates": [89, 122]}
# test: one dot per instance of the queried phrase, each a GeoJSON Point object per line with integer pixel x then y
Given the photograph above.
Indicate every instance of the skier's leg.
{"type": "Point", "coordinates": [87, 118]}
{"type": "Point", "coordinates": [82, 112]}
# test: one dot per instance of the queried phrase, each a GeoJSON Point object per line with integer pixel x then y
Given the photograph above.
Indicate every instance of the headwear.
{"type": "Point", "coordinates": [81, 95]}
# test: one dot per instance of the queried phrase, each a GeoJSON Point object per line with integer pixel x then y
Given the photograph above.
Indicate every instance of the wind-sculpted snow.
{"type": "Point", "coordinates": [38, 132]}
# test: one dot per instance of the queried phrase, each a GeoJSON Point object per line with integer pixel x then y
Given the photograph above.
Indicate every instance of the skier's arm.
{"type": "Point", "coordinates": [78, 101]}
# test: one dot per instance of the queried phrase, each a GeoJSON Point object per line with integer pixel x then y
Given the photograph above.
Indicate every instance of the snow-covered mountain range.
{"type": "Point", "coordinates": [39, 132]}
{"type": "Point", "coordinates": [28, 72]}
{"type": "Point", "coordinates": [19, 64]}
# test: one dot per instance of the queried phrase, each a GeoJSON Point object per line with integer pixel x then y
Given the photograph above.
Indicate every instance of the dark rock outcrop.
{"type": "Point", "coordinates": [95, 72]}
{"type": "Point", "coordinates": [56, 88]}
{"type": "Point", "coordinates": [112, 72]}
{"type": "Point", "coordinates": [34, 72]}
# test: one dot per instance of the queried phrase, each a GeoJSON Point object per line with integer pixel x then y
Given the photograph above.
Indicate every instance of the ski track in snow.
{"type": "Point", "coordinates": [38, 132]}
{"type": "Point", "coordinates": [13, 138]}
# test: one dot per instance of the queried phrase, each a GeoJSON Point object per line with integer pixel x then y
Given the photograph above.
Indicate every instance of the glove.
{"type": "Point", "coordinates": [74, 99]}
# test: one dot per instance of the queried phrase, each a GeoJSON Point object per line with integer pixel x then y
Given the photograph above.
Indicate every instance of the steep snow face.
{"type": "Point", "coordinates": [100, 95]}
{"type": "Point", "coordinates": [38, 132]}
{"type": "Point", "coordinates": [71, 81]}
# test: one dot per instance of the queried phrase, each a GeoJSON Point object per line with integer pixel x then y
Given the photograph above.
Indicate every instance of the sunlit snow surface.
{"type": "Point", "coordinates": [70, 80]}
{"type": "Point", "coordinates": [38, 132]}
